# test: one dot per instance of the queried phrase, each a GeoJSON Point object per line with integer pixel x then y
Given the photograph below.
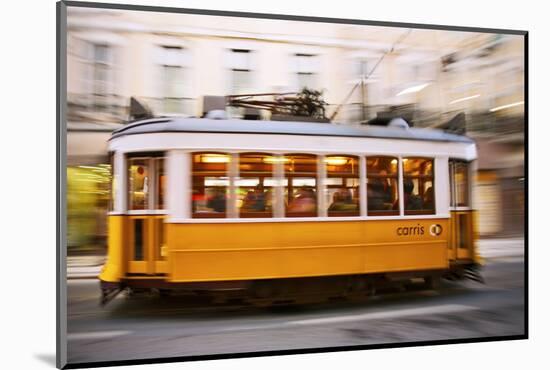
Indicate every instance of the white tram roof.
{"type": "Point", "coordinates": [237, 126]}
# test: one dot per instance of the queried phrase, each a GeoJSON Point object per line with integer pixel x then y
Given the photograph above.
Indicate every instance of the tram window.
{"type": "Point", "coordinates": [418, 186]}
{"type": "Point", "coordinates": [113, 184]}
{"type": "Point", "coordinates": [138, 240]}
{"type": "Point", "coordinates": [460, 180]}
{"type": "Point", "coordinates": [382, 189]}
{"type": "Point", "coordinates": [138, 182]}
{"type": "Point", "coordinates": [342, 185]}
{"type": "Point", "coordinates": [146, 179]}
{"type": "Point", "coordinates": [254, 185]}
{"type": "Point", "coordinates": [210, 184]}
{"type": "Point", "coordinates": [160, 239]}
{"type": "Point", "coordinates": [301, 185]}
{"type": "Point", "coordinates": [160, 183]}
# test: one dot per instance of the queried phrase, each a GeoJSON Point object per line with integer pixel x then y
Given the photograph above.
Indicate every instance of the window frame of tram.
{"type": "Point", "coordinates": [154, 200]}
{"type": "Point", "coordinates": [211, 167]}
{"type": "Point", "coordinates": [382, 185]}
{"type": "Point", "coordinates": [153, 187]}
{"type": "Point", "coordinates": [298, 173]}
{"type": "Point", "coordinates": [465, 194]}
{"type": "Point", "coordinates": [255, 185]}
{"type": "Point", "coordinates": [466, 190]}
{"type": "Point", "coordinates": [341, 185]}
{"type": "Point", "coordinates": [418, 199]}
{"type": "Point", "coordinates": [255, 173]}
{"type": "Point", "coordinates": [113, 183]}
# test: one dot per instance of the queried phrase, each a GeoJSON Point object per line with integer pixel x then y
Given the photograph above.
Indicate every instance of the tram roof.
{"type": "Point", "coordinates": [237, 126]}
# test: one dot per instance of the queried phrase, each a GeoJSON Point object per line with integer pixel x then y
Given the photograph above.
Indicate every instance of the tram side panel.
{"type": "Point", "coordinates": [266, 250]}
{"type": "Point", "coordinates": [114, 268]}
{"type": "Point", "coordinates": [463, 237]}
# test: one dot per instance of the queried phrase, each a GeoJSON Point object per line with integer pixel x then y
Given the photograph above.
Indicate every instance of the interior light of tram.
{"type": "Point", "coordinates": [336, 161]}
{"type": "Point", "coordinates": [276, 160]}
{"type": "Point", "coordinates": [214, 158]}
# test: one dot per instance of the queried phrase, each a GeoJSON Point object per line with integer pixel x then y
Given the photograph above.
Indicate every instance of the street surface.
{"type": "Point", "coordinates": [149, 327]}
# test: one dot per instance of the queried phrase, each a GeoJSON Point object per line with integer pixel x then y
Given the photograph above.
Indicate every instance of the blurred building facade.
{"type": "Point", "coordinates": [170, 61]}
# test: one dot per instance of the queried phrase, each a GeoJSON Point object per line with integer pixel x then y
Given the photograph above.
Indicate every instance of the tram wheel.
{"type": "Point", "coordinates": [432, 282]}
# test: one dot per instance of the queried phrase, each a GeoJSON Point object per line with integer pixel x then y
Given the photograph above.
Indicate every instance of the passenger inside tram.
{"type": "Point", "coordinates": [268, 199]}
{"type": "Point", "coordinates": [342, 200]}
{"type": "Point", "coordinates": [411, 201]}
{"type": "Point", "coordinates": [380, 192]}
{"type": "Point", "coordinates": [429, 198]}
{"type": "Point", "coordinates": [255, 200]}
{"type": "Point", "coordinates": [304, 200]}
{"type": "Point", "coordinates": [217, 201]}
{"type": "Point", "coordinates": [418, 185]}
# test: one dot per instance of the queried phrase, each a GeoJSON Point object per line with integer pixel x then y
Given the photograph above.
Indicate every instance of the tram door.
{"type": "Point", "coordinates": [146, 228]}
{"type": "Point", "coordinates": [461, 241]}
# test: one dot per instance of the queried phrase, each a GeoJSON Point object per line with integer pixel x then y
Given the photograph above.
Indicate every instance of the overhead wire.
{"type": "Point", "coordinates": [363, 78]}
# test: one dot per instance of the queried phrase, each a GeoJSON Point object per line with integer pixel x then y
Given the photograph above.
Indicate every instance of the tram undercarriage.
{"type": "Point", "coordinates": [272, 292]}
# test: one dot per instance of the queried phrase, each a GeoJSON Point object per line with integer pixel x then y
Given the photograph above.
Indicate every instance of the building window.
{"type": "Point", "coordinates": [101, 75]}
{"type": "Point", "coordinates": [382, 189]}
{"type": "Point", "coordinates": [255, 185]}
{"type": "Point", "coordinates": [101, 69]}
{"type": "Point", "coordinates": [210, 184]}
{"type": "Point", "coordinates": [240, 71]}
{"type": "Point", "coordinates": [360, 69]}
{"type": "Point", "coordinates": [365, 91]}
{"type": "Point", "coordinates": [342, 185]}
{"type": "Point", "coordinates": [172, 82]}
{"type": "Point", "coordinates": [300, 185]}
{"type": "Point", "coordinates": [174, 79]}
{"type": "Point", "coordinates": [418, 186]}
{"type": "Point", "coordinates": [306, 70]}
{"type": "Point", "coordinates": [146, 181]}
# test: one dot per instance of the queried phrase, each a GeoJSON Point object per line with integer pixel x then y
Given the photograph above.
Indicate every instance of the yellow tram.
{"type": "Point", "coordinates": [203, 204]}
